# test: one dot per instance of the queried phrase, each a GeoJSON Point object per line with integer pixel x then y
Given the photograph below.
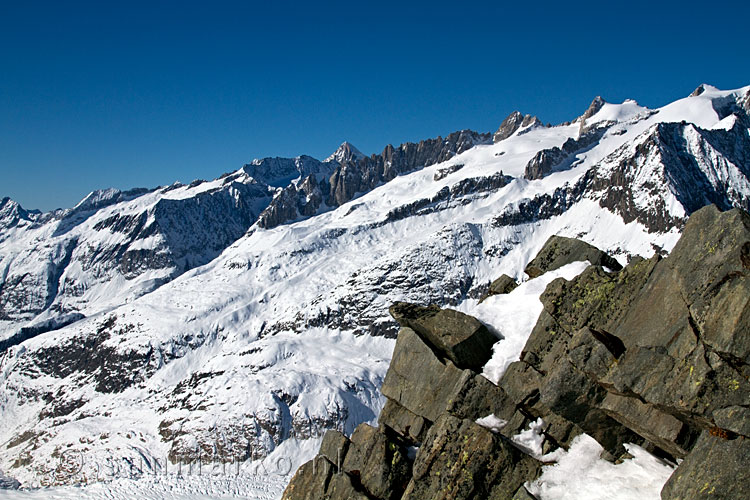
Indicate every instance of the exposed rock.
{"type": "Point", "coordinates": [346, 152]}
{"type": "Point", "coordinates": [292, 202]}
{"type": "Point", "coordinates": [655, 354]}
{"type": "Point", "coordinates": [547, 161]}
{"type": "Point", "coordinates": [681, 151]}
{"type": "Point", "coordinates": [460, 460]}
{"type": "Point", "coordinates": [734, 419]}
{"type": "Point", "coordinates": [455, 335]}
{"type": "Point", "coordinates": [512, 123]}
{"type": "Point", "coordinates": [351, 177]}
{"type": "Point", "coordinates": [716, 468]}
{"type": "Point", "coordinates": [379, 462]}
{"type": "Point", "coordinates": [320, 480]}
{"type": "Point", "coordinates": [410, 426]}
{"type": "Point", "coordinates": [523, 494]}
{"type": "Point", "coordinates": [698, 91]}
{"type": "Point", "coordinates": [446, 171]}
{"type": "Point", "coordinates": [427, 394]}
{"type": "Point", "coordinates": [559, 251]}
{"type": "Point", "coordinates": [596, 105]}
{"type": "Point", "coordinates": [334, 447]}
{"type": "Point", "coordinates": [504, 284]}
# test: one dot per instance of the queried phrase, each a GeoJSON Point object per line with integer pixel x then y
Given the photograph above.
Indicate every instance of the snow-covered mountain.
{"type": "Point", "coordinates": [224, 318]}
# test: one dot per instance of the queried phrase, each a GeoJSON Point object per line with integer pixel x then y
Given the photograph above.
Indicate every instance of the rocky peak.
{"type": "Point", "coordinates": [699, 90]}
{"type": "Point", "coordinates": [350, 178]}
{"type": "Point", "coordinates": [11, 212]}
{"type": "Point", "coordinates": [596, 105]}
{"type": "Point", "coordinates": [279, 172]}
{"type": "Point", "coordinates": [345, 153]}
{"type": "Point", "coordinates": [514, 122]}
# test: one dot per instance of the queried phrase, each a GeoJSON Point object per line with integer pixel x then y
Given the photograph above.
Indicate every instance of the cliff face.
{"type": "Point", "coordinates": [656, 354]}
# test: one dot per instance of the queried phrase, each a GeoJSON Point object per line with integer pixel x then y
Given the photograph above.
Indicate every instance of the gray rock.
{"type": "Point", "coordinates": [559, 251]}
{"type": "Point", "coordinates": [661, 429]}
{"type": "Point", "coordinates": [504, 284]}
{"type": "Point", "coordinates": [593, 109]}
{"type": "Point", "coordinates": [380, 463]}
{"type": "Point", "coordinates": [523, 494]}
{"type": "Point", "coordinates": [446, 171]}
{"type": "Point", "coordinates": [455, 335]}
{"type": "Point", "coordinates": [476, 397]}
{"type": "Point", "coordinates": [408, 425]}
{"type": "Point", "coordinates": [716, 468]}
{"type": "Point", "coordinates": [734, 419]}
{"type": "Point", "coordinates": [460, 460]}
{"type": "Point", "coordinates": [550, 160]}
{"type": "Point", "coordinates": [311, 481]}
{"type": "Point", "coordinates": [417, 379]}
{"type": "Point", "coordinates": [352, 177]}
{"type": "Point", "coordinates": [334, 447]}
{"type": "Point", "coordinates": [512, 123]}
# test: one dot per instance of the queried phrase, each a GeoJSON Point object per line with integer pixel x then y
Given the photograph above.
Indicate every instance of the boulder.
{"type": "Point", "coordinates": [379, 462]}
{"type": "Point", "coordinates": [318, 479]}
{"type": "Point", "coordinates": [504, 284]}
{"type": "Point", "coordinates": [418, 379]}
{"type": "Point", "coordinates": [559, 251]}
{"type": "Point", "coordinates": [406, 424]}
{"type": "Point", "coordinates": [460, 460]}
{"type": "Point", "coordinates": [334, 447]}
{"type": "Point", "coordinates": [457, 336]}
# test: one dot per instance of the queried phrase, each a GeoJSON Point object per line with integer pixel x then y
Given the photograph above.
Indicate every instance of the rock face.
{"type": "Point", "coordinates": [352, 177]}
{"type": "Point", "coordinates": [655, 354]}
{"type": "Point", "coordinates": [513, 123]}
{"type": "Point", "coordinates": [559, 251]}
{"type": "Point", "coordinates": [547, 161]}
{"type": "Point", "coordinates": [347, 173]}
{"type": "Point", "coordinates": [459, 337]}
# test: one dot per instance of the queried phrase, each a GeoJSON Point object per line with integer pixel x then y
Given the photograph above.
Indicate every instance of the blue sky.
{"type": "Point", "coordinates": [94, 95]}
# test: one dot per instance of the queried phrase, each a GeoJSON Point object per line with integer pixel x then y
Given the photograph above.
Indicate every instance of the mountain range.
{"type": "Point", "coordinates": [224, 318]}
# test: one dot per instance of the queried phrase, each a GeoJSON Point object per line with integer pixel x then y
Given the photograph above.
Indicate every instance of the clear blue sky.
{"type": "Point", "coordinates": [94, 95]}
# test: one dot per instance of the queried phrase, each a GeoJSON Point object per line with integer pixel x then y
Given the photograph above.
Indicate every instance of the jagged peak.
{"type": "Point", "coordinates": [596, 105]}
{"type": "Point", "coordinates": [513, 123]}
{"type": "Point", "coordinates": [11, 212]}
{"type": "Point", "coordinates": [345, 152]}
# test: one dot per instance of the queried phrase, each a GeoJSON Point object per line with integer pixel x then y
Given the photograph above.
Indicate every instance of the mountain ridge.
{"type": "Point", "coordinates": [183, 287]}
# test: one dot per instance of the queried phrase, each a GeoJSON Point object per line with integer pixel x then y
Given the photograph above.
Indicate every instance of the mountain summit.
{"type": "Point", "coordinates": [345, 153]}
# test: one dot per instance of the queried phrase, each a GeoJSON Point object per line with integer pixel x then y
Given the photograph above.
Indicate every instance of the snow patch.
{"type": "Point", "coordinates": [580, 474]}
{"type": "Point", "coordinates": [492, 422]}
{"type": "Point", "coordinates": [512, 316]}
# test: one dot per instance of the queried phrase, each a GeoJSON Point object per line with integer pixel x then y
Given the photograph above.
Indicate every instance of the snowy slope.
{"type": "Point", "coordinates": [283, 332]}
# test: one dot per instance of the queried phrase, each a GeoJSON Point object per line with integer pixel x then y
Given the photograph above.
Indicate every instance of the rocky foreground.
{"type": "Point", "coordinates": [656, 354]}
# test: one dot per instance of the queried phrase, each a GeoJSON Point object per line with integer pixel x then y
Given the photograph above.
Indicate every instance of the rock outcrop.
{"type": "Point", "coordinates": [547, 161]}
{"type": "Point", "coordinates": [512, 123]}
{"type": "Point", "coordinates": [656, 354]}
{"type": "Point", "coordinates": [559, 251]}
